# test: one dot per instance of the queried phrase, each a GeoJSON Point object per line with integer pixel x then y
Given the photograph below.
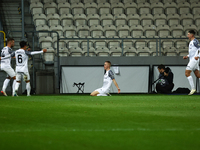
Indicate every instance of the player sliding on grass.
{"type": "Point", "coordinates": [6, 66]}
{"type": "Point", "coordinates": [22, 65]}
{"type": "Point", "coordinates": [107, 81]}
{"type": "Point", "coordinates": [193, 64]}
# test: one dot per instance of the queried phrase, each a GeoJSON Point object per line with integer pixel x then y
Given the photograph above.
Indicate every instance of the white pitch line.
{"type": "Point", "coordinates": [99, 130]}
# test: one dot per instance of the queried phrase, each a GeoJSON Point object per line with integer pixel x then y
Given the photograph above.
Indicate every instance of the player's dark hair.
{"type": "Point", "coordinates": [22, 44]}
{"type": "Point", "coordinates": [192, 32]}
{"type": "Point", "coordinates": [161, 66]}
{"type": "Point", "coordinates": [108, 62]}
{"type": "Point", "coordinates": [167, 70]}
{"type": "Point", "coordinates": [10, 39]}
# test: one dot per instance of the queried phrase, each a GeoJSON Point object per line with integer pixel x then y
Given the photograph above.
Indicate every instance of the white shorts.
{"type": "Point", "coordinates": [10, 72]}
{"type": "Point", "coordinates": [25, 75]}
{"type": "Point", "coordinates": [193, 65]}
{"type": "Point", "coordinates": [101, 91]}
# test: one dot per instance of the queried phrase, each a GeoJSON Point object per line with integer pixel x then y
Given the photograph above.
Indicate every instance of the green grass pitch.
{"type": "Point", "coordinates": [80, 122]}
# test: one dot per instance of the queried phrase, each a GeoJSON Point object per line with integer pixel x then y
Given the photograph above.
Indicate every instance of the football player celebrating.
{"type": "Point", "coordinates": [107, 81]}
{"type": "Point", "coordinates": [22, 56]}
{"type": "Point", "coordinates": [6, 66]}
{"type": "Point", "coordinates": [193, 64]}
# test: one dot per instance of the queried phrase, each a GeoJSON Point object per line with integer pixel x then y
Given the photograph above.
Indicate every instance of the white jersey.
{"type": "Point", "coordinates": [194, 48]}
{"type": "Point", "coordinates": [107, 81]}
{"type": "Point", "coordinates": [5, 63]}
{"type": "Point", "coordinates": [22, 59]}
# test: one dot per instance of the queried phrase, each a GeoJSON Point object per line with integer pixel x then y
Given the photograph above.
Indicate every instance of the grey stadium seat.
{"type": "Point", "coordinates": [103, 51]}
{"type": "Point", "coordinates": [93, 19]}
{"type": "Point", "coordinates": [75, 51]}
{"type": "Point", "coordinates": [173, 19]}
{"type": "Point", "coordinates": [45, 41]}
{"type": "Point", "coordinates": [157, 8]}
{"type": "Point", "coordinates": [163, 31]}
{"type": "Point", "coordinates": [39, 19]}
{"type": "Point", "coordinates": [170, 8]}
{"type": "Point", "coordinates": [77, 8]}
{"type": "Point", "coordinates": [130, 8]}
{"type": "Point", "coordinates": [91, 8]}
{"type": "Point", "coordinates": [160, 19]}
{"type": "Point", "coordinates": [49, 56]}
{"type": "Point", "coordinates": [184, 8]}
{"type": "Point", "coordinates": [57, 28]}
{"type": "Point", "coordinates": [36, 8]}
{"type": "Point", "coordinates": [110, 30]}
{"type": "Point", "coordinates": [130, 51]}
{"type": "Point", "coordinates": [96, 30]}
{"type": "Point", "coordinates": [186, 19]}
{"type": "Point", "coordinates": [120, 19]}
{"type": "Point", "coordinates": [83, 30]}
{"type": "Point", "coordinates": [100, 43]}
{"type": "Point", "coordinates": [150, 31]}
{"type": "Point", "coordinates": [117, 8]}
{"type": "Point", "coordinates": [104, 8]}
{"type": "Point", "coordinates": [80, 19]}
{"type": "Point", "coordinates": [62, 43]}
{"type": "Point", "coordinates": [133, 19]}
{"type": "Point", "coordinates": [42, 28]}
{"type": "Point", "coordinates": [50, 8]}
{"type": "Point", "coordinates": [116, 51]}
{"type": "Point", "coordinates": [123, 30]}
{"type": "Point", "coordinates": [176, 30]}
{"type": "Point", "coordinates": [107, 19]}
{"type": "Point", "coordinates": [195, 8]}
{"type": "Point", "coordinates": [112, 42]}
{"type": "Point", "coordinates": [64, 8]}
{"type": "Point", "coordinates": [53, 19]}
{"type": "Point", "coordinates": [144, 8]}
{"type": "Point", "coordinates": [136, 31]}
{"type": "Point", "coordinates": [66, 19]}
{"type": "Point", "coordinates": [146, 19]}
{"type": "Point", "coordinates": [69, 30]}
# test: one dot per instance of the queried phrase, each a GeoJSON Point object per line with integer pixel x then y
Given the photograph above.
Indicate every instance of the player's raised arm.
{"type": "Point", "coordinates": [8, 56]}
{"type": "Point", "coordinates": [36, 52]}
{"type": "Point", "coordinates": [115, 82]}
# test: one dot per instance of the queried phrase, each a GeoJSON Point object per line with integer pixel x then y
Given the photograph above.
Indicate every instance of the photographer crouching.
{"type": "Point", "coordinates": [165, 81]}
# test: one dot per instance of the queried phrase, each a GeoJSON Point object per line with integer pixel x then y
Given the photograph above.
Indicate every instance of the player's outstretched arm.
{"type": "Point", "coordinates": [185, 57]}
{"type": "Point", "coordinates": [114, 81]}
{"type": "Point", "coordinates": [37, 52]}
{"type": "Point", "coordinates": [2, 58]}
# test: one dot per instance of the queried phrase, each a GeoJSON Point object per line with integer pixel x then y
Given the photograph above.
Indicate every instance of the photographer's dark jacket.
{"type": "Point", "coordinates": [165, 80]}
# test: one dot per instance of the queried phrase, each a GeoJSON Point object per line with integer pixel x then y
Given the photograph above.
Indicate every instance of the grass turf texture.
{"type": "Point", "coordinates": [149, 122]}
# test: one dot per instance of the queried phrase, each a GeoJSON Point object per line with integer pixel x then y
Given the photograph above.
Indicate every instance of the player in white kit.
{"type": "Point", "coordinates": [22, 56]}
{"type": "Point", "coordinates": [107, 81]}
{"type": "Point", "coordinates": [6, 66]}
{"type": "Point", "coordinates": [193, 56]}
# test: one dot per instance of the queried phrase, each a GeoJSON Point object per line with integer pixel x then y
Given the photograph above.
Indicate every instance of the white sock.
{"type": "Point", "coordinates": [13, 86]}
{"type": "Point", "coordinates": [5, 84]}
{"type": "Point", "coordinates": [101, 95]}
{"type": "Point", "coordinates": [190, 79]}
{"type": "Point", "coordinates": [17, 86]}
{"type": "Point", "coordinates": [28, 88]}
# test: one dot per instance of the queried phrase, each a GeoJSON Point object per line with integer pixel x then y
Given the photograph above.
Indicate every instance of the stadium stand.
{"type": "Point", "coordinates": [115, 19]}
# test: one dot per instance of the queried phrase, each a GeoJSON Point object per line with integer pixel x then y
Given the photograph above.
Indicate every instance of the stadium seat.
{"type": "Point", "coordinates": [69, 30]}
{"type": "Point", "coordinates": [49, 56]}
{"type": "Point", "coordinates": [123, 30]}
{"type": "Point", "coordinates": [73, 43]}
{"type": "Point", "coordinates": [176, 30]}
{"type": "Point", "coordinates": [153, 1]}
{"type": "Point", "coordinates": [88, 1]}
{"type": "Point", "coordinates": [117, 8]}
{"type": "Point", "coordinates": [152, 46]}
{"type": "Point", "coordinates": [167, 43]}
{"type": "Point", "coordinates": [57, 28]}
{"type": "Point", "coordinates": [157, 8]}
{"type": "Point", "coordinates": [133, 19]}
{"type": "Point", "coordinates": [96, 30]}
{"type": "Point", "coordinates": [143, 51]}
{"type": "Point", "coordinates": [170, 8]}
{"type": "Point", "coordinates": [33, 1]}
{"type": "Point", "coordinates": [63, 52]}
{"type": "Point", "coordinates": [170, 51]}
{"type": "Point", "coordinates": [140, 1]}
{"type": "Point", "coordinates": [104, 8]}
{"type": "Point", "coordinates": [84, 43]}
{"type": "Point", "coordinates": [189, 27]}
{"type": "Point", "coordinates": [127, 42]}
{"type": "Point", "coordinates": [120, 19]}
{"type": "Point", "coordinates": [115, 51]}
{"type": "Point", "coordinates": [127, 1]}
{"type": "Point", "coordinates": [184, 8]}
{"type": "Point", "coordinates": [193, 1]}
{"type": "Point", "coordinates": [53, 19]}
{"type": "Point", "coordinates": [173, 19]}
{"type": "Point", "coordinates": [36, 8]}
{"type": "Point", "coordinates": [140, 43]}
{"type": "Point", "coordinates": [50, 8]}
{"type": "Point", "coordinates": [92, 51]}
{"type": "Point", "coordinates": [180, 1]}
{"type": "Point", "coordinates": [146, 19]}
{"type": "Point", "coordinates": [90, 8]}
{"type": "Point", "coordinates": [62, 43]}
{"type": "Point", "coordinates": [80, 19]}
{"type": "Point", "coordinates": [195, 8]}
{"type": "Point", "coordinates": [74, 1]}
{"type": "Point", "coordinates": [160, 19]}
{"type": "Point", "coordinates": [197, 19]}
{"type": "Point", "coordinates": [66, 19]}
{"type": "Point", "coordinates": [45, 41]}
{"type": "Point", "coordinates": [136, 31]}
{"type": "Point", "coordinates": [110, 30]}
{"type": "Point", "coordinates": [103, 51]}
{"type": "Point", "coordinates": [114, 1]}
{"type": "Point", "coordinates": [77, 8]}
{"type": "Point", "coordinates": [64, 8]}
{"type": "Point", "coordinates": [42, 28]}
{"type": "Point", "coordinates": [106, 19]}
{"type": "Point", "coordinates": [186, 19]}
{"type": "Point", "coordinates": [130, 51]}
{"type": "Point", "coordinates": [181, 43]}
{"type": "Point", "coordinates": [150, 31]}
{"type": "Point", "coordinates": [100, 43]}
{"type": "Point", "coordinates": [61, 1]}
{"type": "Point", "coordinates": [101, 1]}
{"type": "Point", "coordinates": [47, 1]}
{"type": "Point", "coordinates": [144, 8]}
{"type": "Point", "coordinates": [75, 51]}
{"type": "Point", "coordinates": [113, 42]}
{"type": "Point", "coordinates": [93, 19]}
{"type": "Point", "coordinates": [167, 1]}
{"type": "Point", "coordinates": [183, 51]}
{"type": "Point", "coordinates": [39, 19]}
{"type": "Point", "coordinates": [163, 31]}
{"type": "Point", "coordinates": [83, 30]}
{"type": "Point", "coordinates": [130, 8]}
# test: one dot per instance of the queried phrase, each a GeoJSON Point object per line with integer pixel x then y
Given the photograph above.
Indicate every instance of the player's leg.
{"type": "Point", "coordinates": [96, 92]}
{"type": "Point", "coordinates": [5, 85]}
{"type": "Point", "coordinates": [191, 65]}
{"type": "Point", "coordinates": [28, 85]}
{"type": "Point", "coordinates": [18, 81]}
{"type": "Point", "coordinates": [12, 74]}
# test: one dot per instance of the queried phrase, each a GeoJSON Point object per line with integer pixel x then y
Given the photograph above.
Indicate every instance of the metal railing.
{"type": "Point", "coordinates": [4, 37]}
